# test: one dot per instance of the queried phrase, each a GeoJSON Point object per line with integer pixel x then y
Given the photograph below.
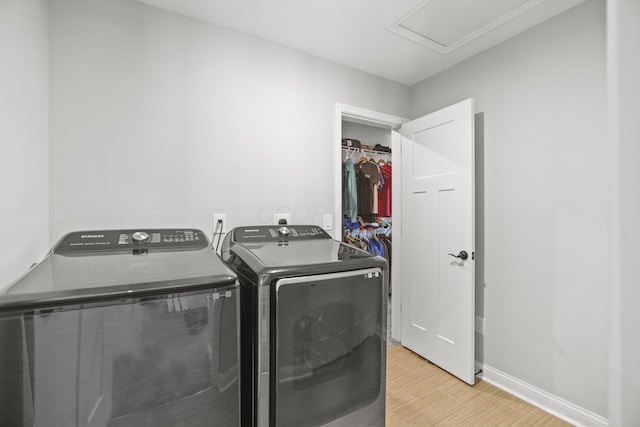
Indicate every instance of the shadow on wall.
{"type": "Point", "coordinates": [479, 149]}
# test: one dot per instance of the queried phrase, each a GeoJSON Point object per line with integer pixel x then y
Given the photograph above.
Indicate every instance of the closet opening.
{"type": "Point", "coordinates": [366, 209]}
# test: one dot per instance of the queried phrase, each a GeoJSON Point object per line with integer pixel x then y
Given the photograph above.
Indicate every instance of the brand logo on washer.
{"type": "Point", "coordinates": [91, 236]}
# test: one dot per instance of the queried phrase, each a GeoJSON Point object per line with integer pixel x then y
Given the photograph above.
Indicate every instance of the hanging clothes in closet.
{"type": "Point", "coordinates": [366, 197]}
{"type": "Point", "coordinates": [384, 196]}
{"type": "Point", "coordinates": [366, 183]}
{"type": "Point", "coordinates": [373, 237]}
{"type": "Point", "coordinates": [349, 190]}
{"type": "Point", "coordinates": [368, 180]}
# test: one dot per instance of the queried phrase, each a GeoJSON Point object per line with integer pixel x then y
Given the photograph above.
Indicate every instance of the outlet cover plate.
{"type": "Point", "coordinates": [327, 222]}
{"type": "Point", "coordinates": [216, 217]}
{"type": "Point", "coordinates": [479, 325]}
{"type": "Point", "coordinates": [278, 216]}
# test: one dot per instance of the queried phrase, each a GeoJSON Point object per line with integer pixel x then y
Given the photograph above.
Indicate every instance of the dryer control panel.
{"type": "Point", "coordinates": [139, 239]}
{"type": "Point", "coordinates": [270, 233]}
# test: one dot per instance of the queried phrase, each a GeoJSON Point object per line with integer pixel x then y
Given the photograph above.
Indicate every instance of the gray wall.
{"type": "Point", "coordinates": [366, 134]}
{"type": "Point", "coordinates": [162, 120]}
{"type": "Point", "coordinates": [546, 181]}
{"type": "Point", "coordinates": [623, 34]}
{"type": "Point", "coordinates": [24, 135]}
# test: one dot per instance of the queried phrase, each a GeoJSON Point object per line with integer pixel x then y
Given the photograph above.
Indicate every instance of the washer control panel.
{"type": "Point", "coordinates": [268, 233]}
{"type": "Point", "coordinates": [114, 240]}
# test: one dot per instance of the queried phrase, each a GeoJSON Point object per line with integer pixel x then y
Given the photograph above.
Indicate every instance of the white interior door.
{"type": "Point", "coordinates": [438, 218]}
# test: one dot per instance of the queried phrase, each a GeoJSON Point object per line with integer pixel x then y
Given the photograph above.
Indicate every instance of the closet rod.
{"type": "Point", "coordinates": [366, 151]}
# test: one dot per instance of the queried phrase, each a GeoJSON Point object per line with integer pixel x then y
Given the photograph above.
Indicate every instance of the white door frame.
{"type": "Point", "coordinates": [385, 121]}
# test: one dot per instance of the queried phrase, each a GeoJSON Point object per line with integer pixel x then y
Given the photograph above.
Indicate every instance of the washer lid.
{"type": "Point", "coordinates": [264, 247]}
{"type": "Point", "coordinates": [304, 252]}
{"type": "Point", "coordinates": [67, 276]}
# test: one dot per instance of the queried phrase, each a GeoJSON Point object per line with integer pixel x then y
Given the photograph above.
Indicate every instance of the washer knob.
{"type": "Point", "coordinates": [140, 237]}
{"type": "Point", "coordinates": [284, 231]}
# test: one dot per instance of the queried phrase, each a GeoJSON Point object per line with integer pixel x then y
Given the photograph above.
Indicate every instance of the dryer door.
{"type": "Point", "coordinates": [330, 348]}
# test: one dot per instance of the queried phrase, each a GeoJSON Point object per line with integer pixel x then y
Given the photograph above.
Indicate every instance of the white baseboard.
{"type": "Point", "coordinates": [546, 401]}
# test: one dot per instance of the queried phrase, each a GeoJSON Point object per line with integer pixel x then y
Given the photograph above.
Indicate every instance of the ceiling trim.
{"type": "Point", "coordinates": [397, 28]}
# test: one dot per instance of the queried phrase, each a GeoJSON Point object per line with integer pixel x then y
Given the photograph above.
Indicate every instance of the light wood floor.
{"type": "Point", "coordinates": [421, 394]}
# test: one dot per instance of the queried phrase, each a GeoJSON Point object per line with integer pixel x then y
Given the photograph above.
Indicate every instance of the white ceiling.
{"type": "Point", "coordinates": [402, 40]}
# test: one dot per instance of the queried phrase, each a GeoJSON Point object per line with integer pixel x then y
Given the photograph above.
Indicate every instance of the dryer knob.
{"type": "Point", "coordinates": [140, 237]}
{"type": "Point", "coordinates": [284, 231]}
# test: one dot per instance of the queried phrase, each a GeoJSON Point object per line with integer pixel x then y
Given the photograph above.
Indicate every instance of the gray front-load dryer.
{"type": "Point", "coordinates": [313, 333]}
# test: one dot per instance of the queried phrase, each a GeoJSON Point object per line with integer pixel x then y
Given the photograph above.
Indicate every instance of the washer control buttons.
{"type": "Point", "coordinates": [284, 231]}
{"type": "Point", "coordinates": [140, 237]}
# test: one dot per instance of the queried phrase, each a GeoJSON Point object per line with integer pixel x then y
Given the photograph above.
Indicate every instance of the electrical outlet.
{"type": "Point", "coordinates": [219, 217]}
{"type": "Point", "coordinates": [327, 222]}
{"type": "Point", "coordinates": [479, 326]}
{"type": "Point", "coordinates": [278, 216]}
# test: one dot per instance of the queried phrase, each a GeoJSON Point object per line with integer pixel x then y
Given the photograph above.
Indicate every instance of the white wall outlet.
{"type": "Point", "coordinates": [278, 216]}
{"type": "Point", "coordinates": [479, 325]}
{"type": "Point", "coordinates": [327, 222]}
{"type": "Point", "coordinates": [216, 227]}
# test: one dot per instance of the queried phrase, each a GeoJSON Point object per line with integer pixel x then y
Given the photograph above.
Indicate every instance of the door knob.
{"type": "Point", "coordinates": [462, 255]}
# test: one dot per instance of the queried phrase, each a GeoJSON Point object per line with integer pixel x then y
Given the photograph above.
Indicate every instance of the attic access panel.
{"type": "Point", "coordinates": [445, 25]}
